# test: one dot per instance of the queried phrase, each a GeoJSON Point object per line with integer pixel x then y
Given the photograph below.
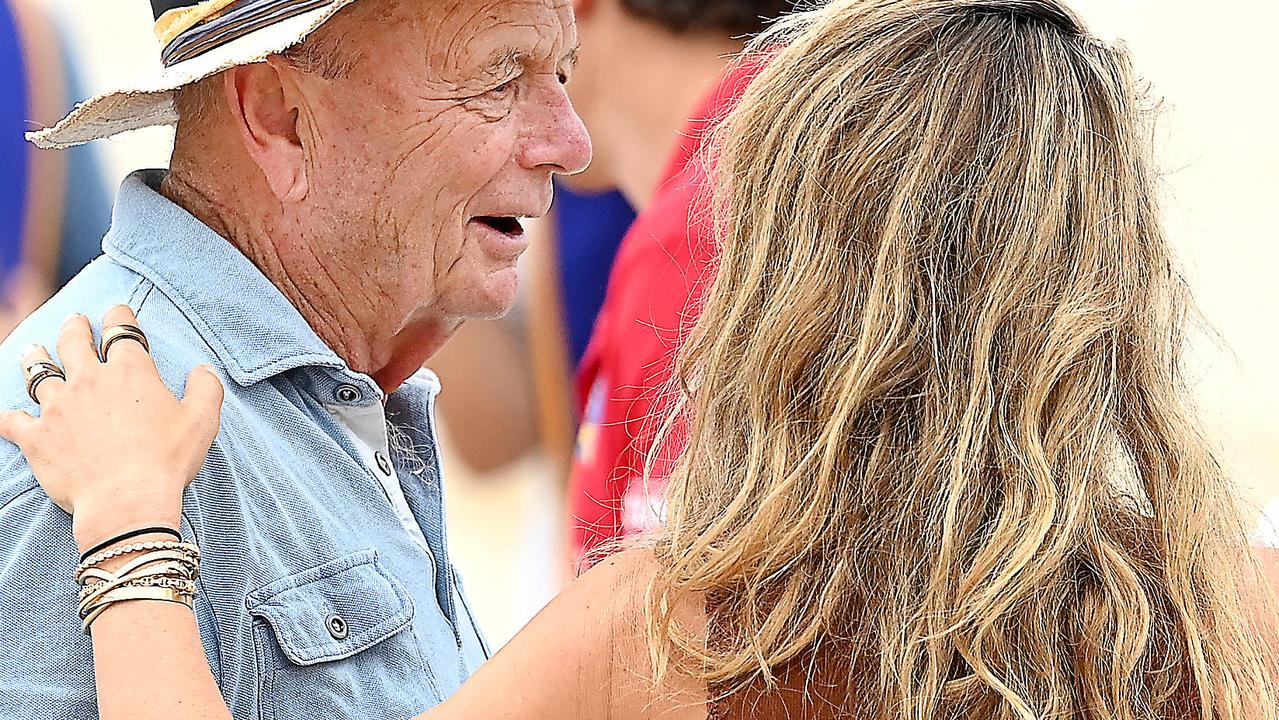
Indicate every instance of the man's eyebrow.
{"type": "Point", "coordinates": [509, 59]}
{"type": "Point", "coordinates": [506, 60]}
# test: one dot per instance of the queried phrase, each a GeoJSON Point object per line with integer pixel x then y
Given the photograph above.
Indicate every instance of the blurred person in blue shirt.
{"type": "Point", "coordinates": [54, 207]}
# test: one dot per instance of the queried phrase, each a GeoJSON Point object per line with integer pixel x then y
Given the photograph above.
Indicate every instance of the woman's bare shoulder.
{"type": "Point", "coordinates": [1267, 608]}
{"type": "Point", "coordinates": [586, 655]}
{"type": "Point", "coordinates": [621, 585]}
{"type": "Point", "coordinates": [1269, 560]}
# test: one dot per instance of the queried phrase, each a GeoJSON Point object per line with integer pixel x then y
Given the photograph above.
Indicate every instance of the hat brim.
{"type": "Point", "coordinates": [151, 102]}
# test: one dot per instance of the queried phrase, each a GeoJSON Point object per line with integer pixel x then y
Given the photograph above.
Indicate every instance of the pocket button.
{"type": "Point", "coordinates": [337, 627]}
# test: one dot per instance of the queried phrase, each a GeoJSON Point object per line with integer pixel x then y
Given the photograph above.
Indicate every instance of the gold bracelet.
{"type": "Point", "coordinates": [177, 555]}
{"type": "Point", "coordinates": [128, 594]}
{"type": "Point", "coordinates": [156, 569]}
{"type": "Point", "coordinates": [140, 547]}
{"type": "Point", "coordinates": [147, 567]}
{"type": "Point", "coordinates": [189, 548]}
{"type": "Point", "coordinates": [172, 564]}
{"type": "Point", "coordinates": [164, 571]}
{"type": "Point", "coordinates": [186, 587]}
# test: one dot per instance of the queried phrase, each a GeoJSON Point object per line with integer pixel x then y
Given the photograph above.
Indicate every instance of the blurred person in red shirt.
{"type": "Point", "coordinates": [653, 77]}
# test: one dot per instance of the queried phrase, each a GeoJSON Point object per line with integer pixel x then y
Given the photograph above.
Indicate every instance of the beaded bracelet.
{"type": "Point", "coordinates": [102, 557]}
{"type": "Point", "coordinates": [162, 571]}
{"type": "Point", "coordinates": [186, 564]}
{"type": "Point", "coordinates": [129, 536]}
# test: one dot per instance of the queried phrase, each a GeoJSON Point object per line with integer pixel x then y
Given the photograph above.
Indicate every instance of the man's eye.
{"type": "Point", "coordinates": [563, 78]}
{"type": "Point", "coordinates": [503, 88]}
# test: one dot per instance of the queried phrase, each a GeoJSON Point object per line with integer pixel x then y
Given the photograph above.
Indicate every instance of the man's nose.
{"type": "Point", "coordinates": [559, 141]}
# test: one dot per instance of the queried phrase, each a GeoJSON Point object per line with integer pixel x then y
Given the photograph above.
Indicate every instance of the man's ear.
{"type": "Point", "coordinates": [583, 8]}
{"type": "Point", "coordinates": [266, 113]}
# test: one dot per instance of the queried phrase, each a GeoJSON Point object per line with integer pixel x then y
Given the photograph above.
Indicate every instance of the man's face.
{"type": "Point", "coordinates": [447, 130]}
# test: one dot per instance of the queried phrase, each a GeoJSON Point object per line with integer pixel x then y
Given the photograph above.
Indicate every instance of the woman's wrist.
{"type": "Point", "coordinates": [99, 520]}
{"type": "Point", "coordinates": [113, 564]}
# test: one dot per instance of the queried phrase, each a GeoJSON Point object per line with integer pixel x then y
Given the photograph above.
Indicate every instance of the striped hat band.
{"type": "Point", "coordinates": [189, 28]}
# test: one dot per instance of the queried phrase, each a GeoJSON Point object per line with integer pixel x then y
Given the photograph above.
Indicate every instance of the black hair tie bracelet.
{"type": "Point", "coordinates": [129, 536]}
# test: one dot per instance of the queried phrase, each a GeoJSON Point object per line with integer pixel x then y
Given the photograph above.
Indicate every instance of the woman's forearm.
{"type": "Point", "coordinates": [148, 660]}
{"type": "Point", "coordinates": [150, 665]}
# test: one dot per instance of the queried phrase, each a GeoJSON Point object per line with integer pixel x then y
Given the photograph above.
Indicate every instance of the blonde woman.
{"type": "Point", "coordinates": [940, 458]}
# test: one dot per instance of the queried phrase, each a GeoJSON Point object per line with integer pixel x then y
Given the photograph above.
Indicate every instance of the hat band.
{"type": "Point", "coordinates": [244, 18]}
{"type": "Point", "coordinates": [183, 16]}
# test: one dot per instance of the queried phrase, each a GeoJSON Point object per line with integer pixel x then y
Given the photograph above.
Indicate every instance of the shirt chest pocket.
{"type": "Point", "coordinates": [337, 641]}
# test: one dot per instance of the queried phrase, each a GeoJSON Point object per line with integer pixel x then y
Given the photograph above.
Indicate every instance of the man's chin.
{"type": "Point", "coordinates": [502, 293]}
{"type": "Point", "coordinates": [489, 299]}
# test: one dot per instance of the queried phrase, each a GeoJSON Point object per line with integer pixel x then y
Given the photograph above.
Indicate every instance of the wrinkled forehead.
{"type": "Point", "coordinates": [463, 39]}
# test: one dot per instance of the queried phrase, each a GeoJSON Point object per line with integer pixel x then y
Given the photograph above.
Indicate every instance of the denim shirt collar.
{"type": "Point", "coordinates": [254, 330]}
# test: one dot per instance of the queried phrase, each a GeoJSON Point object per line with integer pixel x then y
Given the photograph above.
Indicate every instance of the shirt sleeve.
{"type": "Point", "coordinates": [46, 662]}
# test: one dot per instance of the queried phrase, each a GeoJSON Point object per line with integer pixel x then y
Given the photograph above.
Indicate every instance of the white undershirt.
{"type": "Point", "coordinates": [367, 427]}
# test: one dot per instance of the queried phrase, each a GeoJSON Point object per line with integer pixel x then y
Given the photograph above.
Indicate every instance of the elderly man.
{"type": "Point", "coordinates": [345, 190]}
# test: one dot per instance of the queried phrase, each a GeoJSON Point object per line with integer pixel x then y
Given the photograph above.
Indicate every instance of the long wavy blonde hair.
{"type": "Point", "coordinates": [936, 421]}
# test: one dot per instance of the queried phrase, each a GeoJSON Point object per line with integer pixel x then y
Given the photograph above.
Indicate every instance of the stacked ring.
{"type": "Point", "coordinates": [39, 371]}
{"type": "Point", "coordinates": [116, 333]}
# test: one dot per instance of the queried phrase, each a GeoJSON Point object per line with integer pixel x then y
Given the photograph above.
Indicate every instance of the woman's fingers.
{"type": "Point", "coordinates": [14, 425]}
{"type": "Point", "coordinates": [125, 348]}
{"type": "Point", "coordinates": [76, 348]}
{"type": "Point", "coordinates": [47, 389]}
{"type": "Point", "coordinates": [119, 315]}
{"type": "Point", "coordinates": [203, 398]}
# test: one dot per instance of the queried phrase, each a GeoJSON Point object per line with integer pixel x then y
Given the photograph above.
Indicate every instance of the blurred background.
{"type": "Point", "coordinates": [1212, 63]}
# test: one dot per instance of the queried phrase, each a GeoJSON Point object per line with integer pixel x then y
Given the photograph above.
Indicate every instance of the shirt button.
{"type": "Point", "coordinates": [383, 463]}
{"type": "Point", "coordinates": [337, 627]}
{"type": "Point", "coordinates": [347, 393]}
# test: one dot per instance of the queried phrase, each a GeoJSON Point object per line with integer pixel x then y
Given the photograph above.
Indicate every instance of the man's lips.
{"type": "Point", "coordinates": [501, 236]}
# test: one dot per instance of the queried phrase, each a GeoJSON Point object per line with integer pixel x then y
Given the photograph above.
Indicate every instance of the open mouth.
{"type": "Point", "coordinates": [509, 226]}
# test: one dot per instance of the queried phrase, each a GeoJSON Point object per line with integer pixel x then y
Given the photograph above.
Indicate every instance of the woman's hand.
{"type": "Point", "coordinates": [112, 445]}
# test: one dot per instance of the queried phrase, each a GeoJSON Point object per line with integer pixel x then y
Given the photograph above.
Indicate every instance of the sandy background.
{"type": "Point", "coordinates": [1214, 66]}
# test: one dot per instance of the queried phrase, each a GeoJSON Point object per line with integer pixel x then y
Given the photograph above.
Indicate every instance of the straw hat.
{"type": "Point", "coordinates": [198, 38]}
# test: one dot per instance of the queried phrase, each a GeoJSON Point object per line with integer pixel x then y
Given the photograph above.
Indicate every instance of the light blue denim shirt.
{"type": "Point", "coordinates": [315, 602]}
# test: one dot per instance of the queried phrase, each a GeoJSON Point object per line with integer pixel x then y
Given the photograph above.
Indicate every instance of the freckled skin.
{"type": "Point", "coordinates": [453, 109]}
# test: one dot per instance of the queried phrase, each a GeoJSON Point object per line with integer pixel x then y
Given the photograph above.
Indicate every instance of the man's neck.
{"type": "Point", "coordinates": [654, 94]}
{"type": "Point", "coordinates": [354, 321]}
